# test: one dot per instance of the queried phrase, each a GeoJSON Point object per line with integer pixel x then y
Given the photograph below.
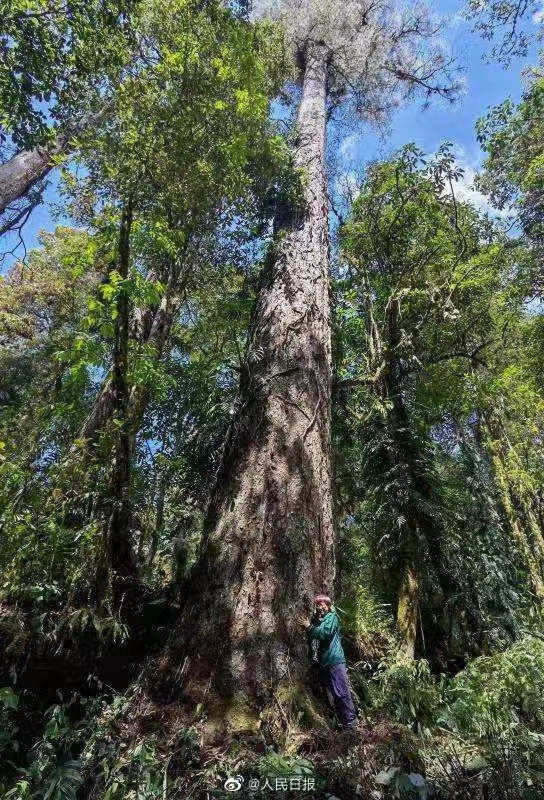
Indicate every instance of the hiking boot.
{"type": "Point", "coordinates": [350, 727]}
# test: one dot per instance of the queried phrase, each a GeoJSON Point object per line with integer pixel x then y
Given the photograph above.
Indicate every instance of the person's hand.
{"type": "Point", "coordinates": [304, 622]}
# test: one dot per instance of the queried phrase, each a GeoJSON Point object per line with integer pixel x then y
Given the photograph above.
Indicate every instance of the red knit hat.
{"type": "Point", "coordinates": [323, 598]}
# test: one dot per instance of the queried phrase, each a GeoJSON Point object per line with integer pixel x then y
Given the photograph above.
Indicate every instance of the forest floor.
{"type": "Point", "coordinates": [110, 738]}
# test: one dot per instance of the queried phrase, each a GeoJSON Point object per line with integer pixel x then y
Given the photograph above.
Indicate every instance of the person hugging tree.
{"type": "Point", "coordinates": [327, 651]}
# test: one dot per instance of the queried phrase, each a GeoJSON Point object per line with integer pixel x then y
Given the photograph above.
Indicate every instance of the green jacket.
{"type": "Point", "coordinates": [327, 633]}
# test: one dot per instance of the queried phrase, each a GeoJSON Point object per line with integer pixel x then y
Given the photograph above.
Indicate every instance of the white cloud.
{"type": "Point", "coordinates": [458, 19]}
{"type": "Point", "coordinates": [538, 16]}
{"type": "Point", "coordinates": [347, 186]}
{"type": "Point", "coordinates": [465, 191]}
{"type": "Point", "coordinates": [348, 146]}
{"type": "Point", "coordinates": [464, 187]}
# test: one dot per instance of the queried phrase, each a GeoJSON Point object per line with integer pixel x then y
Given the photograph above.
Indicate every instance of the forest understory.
{"type": "Point", "coordinates": [231, 381]}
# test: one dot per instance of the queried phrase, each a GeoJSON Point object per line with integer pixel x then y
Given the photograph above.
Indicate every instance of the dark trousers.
{"type": "Point", "coordinates": [338, 684]}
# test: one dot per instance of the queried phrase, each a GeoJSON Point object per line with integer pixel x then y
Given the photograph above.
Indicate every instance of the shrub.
{"type": "Point", "coordinates": [498, 691]}
{"type": "Point", "coordinates": [406, 690]}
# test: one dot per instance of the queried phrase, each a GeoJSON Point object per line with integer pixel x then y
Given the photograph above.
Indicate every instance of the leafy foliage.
{"type": "Point", "coordinates": [123, 340]}
{"type": "Point", "coordinates": [57, 60]}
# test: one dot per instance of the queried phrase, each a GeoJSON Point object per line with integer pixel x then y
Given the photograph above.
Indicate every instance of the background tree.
{"type": "Point", "coordinates": [512, 173]}
{"type": "Point", "coordinates": [188, 149]}
{"type": "Point", "coordinates": [421, 268]}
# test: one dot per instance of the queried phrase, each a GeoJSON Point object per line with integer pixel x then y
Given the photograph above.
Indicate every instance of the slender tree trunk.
{"type": "Point", "coordinates": [408, 609]}
{"type": "Point", "coordinates": [530, 553]}
{"type": "Point", "coordinates": [268, 539]}
{"type": "Point", "coordinates": [121, 557]}
{"type": "Point", "coordinates": [149, 327]}
{"type": "Point", "coordinates": [25, 169]}
{"type": "Point", "coordinates": [118, 558]}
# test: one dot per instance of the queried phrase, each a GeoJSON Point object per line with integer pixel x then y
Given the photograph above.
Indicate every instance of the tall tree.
{"type": "Point", "coordinates": [206, 152]}
{"type": "Point", "coordinates": [268, 540]}
{"type": "Point", "coordinates": [420, 270]}
{"type": "Point", "coordinates": [512, 176]}
{"type": "Point", "coordinates": [512, 136]}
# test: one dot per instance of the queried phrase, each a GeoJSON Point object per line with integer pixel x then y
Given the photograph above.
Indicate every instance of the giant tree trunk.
{"type": "Point", "coordinates": [268, 539]}
{"type": "Point", "coordinates": [24, 170]}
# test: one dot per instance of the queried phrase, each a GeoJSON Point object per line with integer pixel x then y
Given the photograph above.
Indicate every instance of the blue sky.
{"type": "Point", "coordinates": [486, 84]}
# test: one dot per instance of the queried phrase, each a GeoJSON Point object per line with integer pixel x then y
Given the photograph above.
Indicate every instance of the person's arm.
{"type": "Point", "coordinates": [326, 628]}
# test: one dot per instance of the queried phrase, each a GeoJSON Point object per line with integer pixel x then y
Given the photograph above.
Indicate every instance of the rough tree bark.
{"type": "Point", "coordinates": [268, 538]}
